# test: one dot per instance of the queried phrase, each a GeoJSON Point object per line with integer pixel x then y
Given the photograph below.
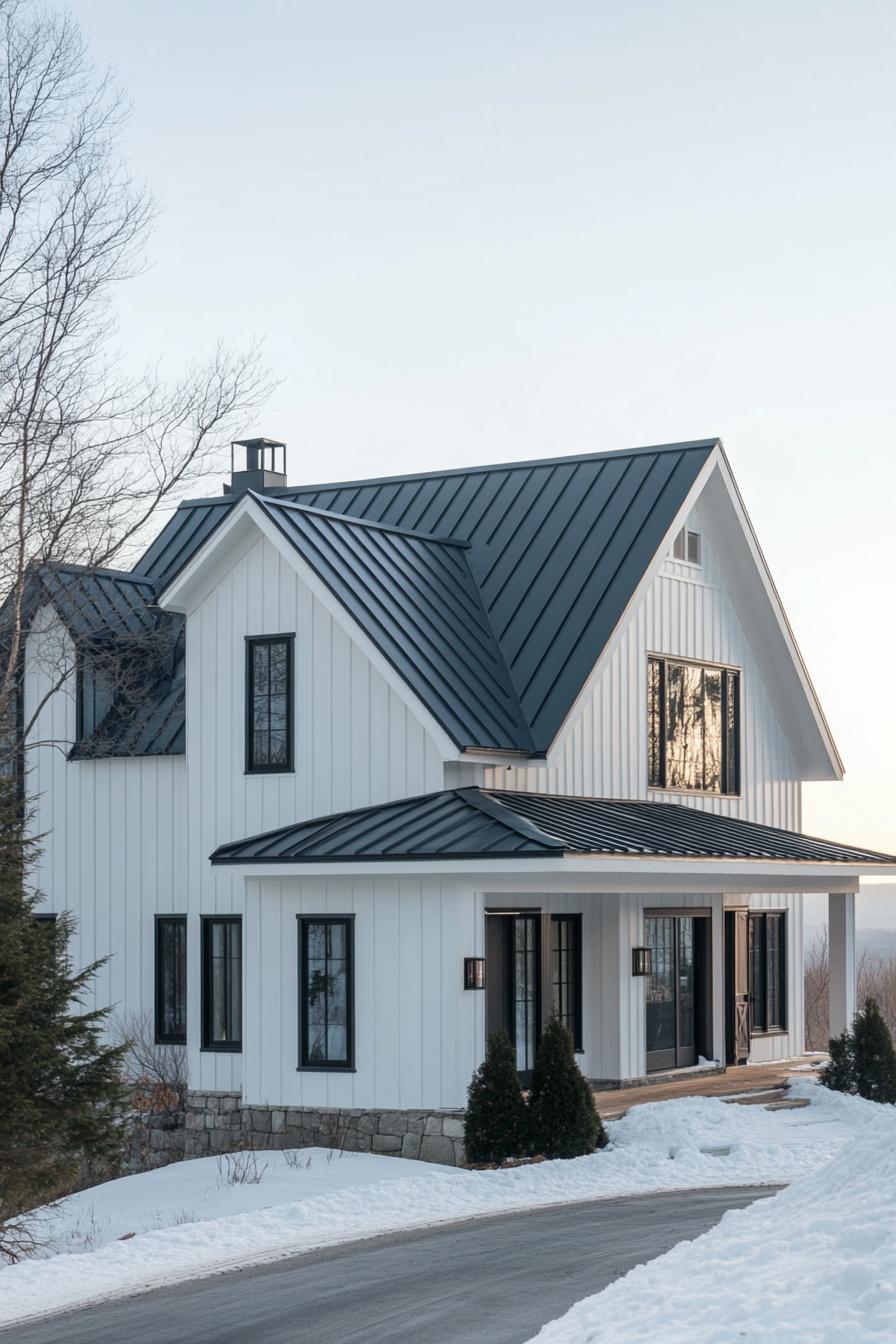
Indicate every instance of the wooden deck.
{"type": "Point", "coordinates": [759, 1084]}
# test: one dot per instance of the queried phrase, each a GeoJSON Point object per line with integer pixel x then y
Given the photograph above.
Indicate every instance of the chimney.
{"type": "Point", "coordinates": [260, 472]}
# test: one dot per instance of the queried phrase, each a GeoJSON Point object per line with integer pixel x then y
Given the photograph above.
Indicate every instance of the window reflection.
{"type": "Point", "coordinates": [692, 726]}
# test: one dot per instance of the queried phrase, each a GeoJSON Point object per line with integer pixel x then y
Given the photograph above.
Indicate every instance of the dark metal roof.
{"type": "Point", "coordinates": [474, 823]}
{"type": "Point", "coordinates": [416, 599]}
{"type": "Point", "coordinates": [557, 548]}
{"type": "Point", "coordinates": [96, 604]}
{"type": "Point", "coordinates": [111, 608]}
{"type": "Point", "coordinates": [156, 726]}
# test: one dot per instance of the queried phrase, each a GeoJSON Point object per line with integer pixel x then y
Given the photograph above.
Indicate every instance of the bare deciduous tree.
{"type": "Point", "coordinates": [875, 979]}
{"type": "Point", "coordinates": [87, 455]}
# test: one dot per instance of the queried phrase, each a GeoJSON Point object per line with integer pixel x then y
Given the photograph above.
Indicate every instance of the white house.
{"type": "Point", "coordinates": [412, 759]}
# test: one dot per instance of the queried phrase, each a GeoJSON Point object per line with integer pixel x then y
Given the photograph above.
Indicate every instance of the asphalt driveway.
{"type": "Point", "coordinates": [497, 1280]}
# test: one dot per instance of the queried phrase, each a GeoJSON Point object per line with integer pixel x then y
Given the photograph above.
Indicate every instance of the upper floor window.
{"type": "Point", "coordinates": [693, 737]}
{"type": "Point", "coordinates": [95, 691]}
{"type": "Point", "coordinates": [686, 546]}
{"type": "Point", "coordinates": [269, 704]}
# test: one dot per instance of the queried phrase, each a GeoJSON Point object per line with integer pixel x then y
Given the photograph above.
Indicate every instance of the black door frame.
{"type": "Point", "coordinates": [500, 1001]}
{"type": "Point", "coordinates": [680, 1057]}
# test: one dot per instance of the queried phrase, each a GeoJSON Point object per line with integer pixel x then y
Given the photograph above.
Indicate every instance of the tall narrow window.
{"type": "Point", "coordinates": [526, 1010]}
{"type": "Point", "coordinates": [95, 692]}
{"type": "Point", "coordinates": [693, 727]}
{"type": "Point", "coordinates": [222, 982]}
{"type": "Point", "coordinates": [171, 979]}
{"type": "Point", "coordinates": [269, 704]}
{"type": "Point", "coordinates": [566, 973]}
{"type": "Point", "coordinates": [326, 946]}
{"type": "Point", "coordinates": [768, 972]}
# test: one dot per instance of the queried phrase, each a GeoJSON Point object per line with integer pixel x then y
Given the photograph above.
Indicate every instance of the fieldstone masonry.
{"type": "Point", "coordinates": [218, 1122]}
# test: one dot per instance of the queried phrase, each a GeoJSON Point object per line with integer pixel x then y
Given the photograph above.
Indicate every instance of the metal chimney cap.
{"type": "Point", "coordinates": [258, 443]}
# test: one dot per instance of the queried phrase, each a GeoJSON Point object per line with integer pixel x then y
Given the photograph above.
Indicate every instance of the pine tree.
{"type": "Point", "coordinates": [495, 1126]}
{"type": "Point", "coordinates": [563, 1120]}
{"type": "Point", "coordinates": [61, 1093]}
{"type": "Point", "coordinates": [839, 1073]}
{"type": "Point", "coordinates": [863, 1061]}
{"type": "Point", "coordinates": [874, 1060]}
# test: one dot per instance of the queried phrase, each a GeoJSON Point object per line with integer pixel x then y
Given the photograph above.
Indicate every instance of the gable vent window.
{"type": "Point", "coordinates": [693, 727]}
{"type": "Point", "coordinates": [686, 546]}
{"type": "Point", "coordinates": [269, 704]}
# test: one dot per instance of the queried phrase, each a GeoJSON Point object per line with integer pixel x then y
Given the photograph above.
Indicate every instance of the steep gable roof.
{"type": "Point", "coordinates": [475, 823]}
{"type": "Point", "coordinates": [415, 597]}
{"type": "Point", "coordinates": [556, 549]}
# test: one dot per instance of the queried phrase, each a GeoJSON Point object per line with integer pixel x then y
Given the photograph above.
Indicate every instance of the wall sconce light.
{"type": "Point", "coordinates": [642, 961]}
{"type": "Point", "coordinates": [474, 972]}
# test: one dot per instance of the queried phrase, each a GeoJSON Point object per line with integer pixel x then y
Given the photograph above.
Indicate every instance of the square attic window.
{"type": "Point", "coordinates": [686, 546]}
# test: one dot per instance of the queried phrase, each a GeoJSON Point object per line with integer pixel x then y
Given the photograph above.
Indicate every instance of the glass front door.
{"type": "Point", "coordinates": [513, 983]}
{"type": "Point", "coordinates": [671, 992]}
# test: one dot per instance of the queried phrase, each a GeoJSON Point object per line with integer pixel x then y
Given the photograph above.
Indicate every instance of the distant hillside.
{"type": "Point", "coordinates": [875, 942]}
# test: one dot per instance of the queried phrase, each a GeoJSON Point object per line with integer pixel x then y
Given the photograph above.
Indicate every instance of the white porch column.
{"type": "Point", "coordinates": [842, 959]}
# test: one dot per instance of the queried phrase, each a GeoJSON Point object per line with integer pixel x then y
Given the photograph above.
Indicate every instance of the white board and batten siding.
{"type": "Point", "coordinates": [685, 611]}
{"type": "Point", "coordinates": [357, 743]}
{"type": "Point", "coordinates": [113, 833]}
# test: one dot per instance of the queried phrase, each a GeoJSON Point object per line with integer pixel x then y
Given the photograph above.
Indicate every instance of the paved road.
{"type": "Point", "coordinates": [497, 1280]}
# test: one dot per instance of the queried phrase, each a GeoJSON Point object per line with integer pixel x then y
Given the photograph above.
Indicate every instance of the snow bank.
{"type": "Point", "coordinates": [816, 1264]}
{"type": "Point", "coordinates": [690, 1143]}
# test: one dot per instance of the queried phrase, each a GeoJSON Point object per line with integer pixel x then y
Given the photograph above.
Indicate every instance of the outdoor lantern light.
{"type": "Point", "coordinates": [642, 961]}
{"type": "Point", "coordinates": [474, 972]}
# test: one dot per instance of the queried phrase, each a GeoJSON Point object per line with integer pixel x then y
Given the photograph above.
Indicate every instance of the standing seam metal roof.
{"type": "Point", "coordinates": [556, 549]}
{"type": "Point", "coordinates": [475, 823]}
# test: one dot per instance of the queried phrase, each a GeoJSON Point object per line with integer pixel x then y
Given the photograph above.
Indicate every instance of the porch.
{"type": "Point", "coordinates": [759, 1084]}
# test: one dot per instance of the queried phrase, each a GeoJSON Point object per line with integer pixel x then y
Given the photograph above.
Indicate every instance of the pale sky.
{"type": "Point", "coordinates": [476, 232]}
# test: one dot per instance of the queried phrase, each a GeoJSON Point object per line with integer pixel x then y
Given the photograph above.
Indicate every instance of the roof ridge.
{"type": "Point", "coordinates": [360, 522]}
{"type": "Point", "coordinates": [519, 464]}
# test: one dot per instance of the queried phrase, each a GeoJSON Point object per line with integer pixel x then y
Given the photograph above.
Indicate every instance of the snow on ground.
{"type": "Point", "coordinates": [189, 1222]}
{"type": "Point", "coordinates": [816, 1264]}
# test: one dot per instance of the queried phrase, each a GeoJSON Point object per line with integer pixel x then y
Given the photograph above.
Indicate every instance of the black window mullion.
{"type": "Point", "coordinates": [170, 980]}
{"type": "Point", "coordinates": [222, 989]}
{"type": "Point", "coordinates": [260, 737]}
{"type": "Point", "coordinates": [324, 994]}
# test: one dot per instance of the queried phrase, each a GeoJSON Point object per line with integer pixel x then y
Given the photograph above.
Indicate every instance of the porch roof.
{"type": "Point", "coordinates": [486, 824]}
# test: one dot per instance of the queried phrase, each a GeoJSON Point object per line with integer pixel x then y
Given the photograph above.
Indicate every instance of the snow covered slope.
{"type": "Point", "coordinates": [189, 1221]}
{"type": "Point", "coordinates": [816, 1264]}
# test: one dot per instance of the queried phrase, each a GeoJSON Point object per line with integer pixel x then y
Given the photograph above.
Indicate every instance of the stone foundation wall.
{"type": "Point", "coordinates": [218, 1122]}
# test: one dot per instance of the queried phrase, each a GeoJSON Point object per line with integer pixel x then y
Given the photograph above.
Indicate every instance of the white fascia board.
{"type": "Point", "coordinates": [606, 874]}
{"type": "Point", "coordinates": [647, 579]}
{"type": "Point", "coordinates": [807, 716]}
{"type": "Point", "coordinates": [220, 552]}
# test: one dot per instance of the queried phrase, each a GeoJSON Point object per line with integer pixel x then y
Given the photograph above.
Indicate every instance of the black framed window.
{"type": "Point", "coordinates": [326, 991]}
{"type": "Point", "coordinates": [95, 692]}
{"type": "Point", "coordinates": [566, 973]}
{"type": "Point", "coordinates": [693, 726]}
{"type": "Point", "coordinates": [269, 704]}
{"type": "Point", "coordinates": [171, 979]}
{"type": "Point", "coordinates": [768, 972]}
{"type": "Point", "coordinates": [222, 982]}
